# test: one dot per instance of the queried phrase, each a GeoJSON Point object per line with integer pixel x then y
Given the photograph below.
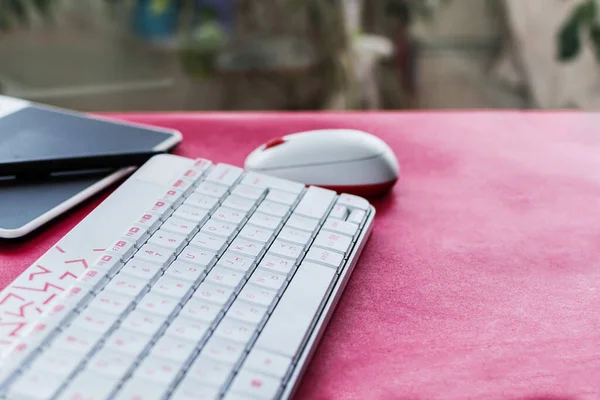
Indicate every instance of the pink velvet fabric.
{"type": "Point", "coordinates": [482, 276]}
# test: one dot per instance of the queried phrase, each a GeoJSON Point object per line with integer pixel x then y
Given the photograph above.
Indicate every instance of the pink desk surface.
{"type": "Point", "coordinates": [482, 277]}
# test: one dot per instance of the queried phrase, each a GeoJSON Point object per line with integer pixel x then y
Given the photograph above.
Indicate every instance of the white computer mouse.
{"type": "Point", "coordinates": [345, 160]}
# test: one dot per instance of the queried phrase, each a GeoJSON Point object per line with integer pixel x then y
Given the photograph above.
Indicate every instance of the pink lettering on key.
{"type": "Point", "coordinates": [42, 272]}
{"type": "Point", "coordinates": [256, 383]}
{"type": "Point", "coordinates": [81, 260]}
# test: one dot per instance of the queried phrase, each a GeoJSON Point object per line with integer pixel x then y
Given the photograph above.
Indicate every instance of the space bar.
{"type": "Point", "coordinates": [291, 320]}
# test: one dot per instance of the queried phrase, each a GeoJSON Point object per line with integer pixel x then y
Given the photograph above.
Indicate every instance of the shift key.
{"type": "Point", "coordinates": [300, 304]}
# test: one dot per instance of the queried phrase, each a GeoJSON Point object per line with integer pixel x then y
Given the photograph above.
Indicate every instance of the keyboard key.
{"type": "Point", "coordinates": [222, 229]}
{"type": "Point", "coordinates": [127, 285]}
{"type": "Point", "coordinates": [229, 215]}
{"type": "Point", "coordinates": [197, 257]}
{"type": "Point", "coordinates": [357, 217]}
{"type": "Point", "coordinates": [187, 329]}
{"type": "Point", "coordinates": [172, 196]}
{"type": "Point", "coordinates": [246, 247]}
{"type": "Point", "coordinates": [343, 227]}
{"type": "Point", "coordinates": [282, 197]}
{"type": "Point", "coordinates": [127, 342]}
{"type": "Point", "coordinates": [255, 384]}
{"type": "Point", "coordinates": [222, 350]}
{"type": "Point", "coordinates": [271, 208]}
{"type": "Point", "coordinates": [122, 248]}
{"type": "Point", "coordinates": [143, 322]}
{"type": "Point", "coordinates": [201, 165]}
{"type": "Point", "coordinates": [303, 223]}
{"type": "Point", "coordinates": [111, 303]}
{"type": "Point", "coordinates": [192, 175]}
{"type": "Point", "coordinates": [333, 241]}
{"type": "Point", "coordinates": [110, 363]}
{"type": "Point", "coordinates": [236, 262]}
{"type": "Point", "coordinates": [137, 234]}
{"type": "Point", "coordinates": [265, 278]}
{"type": "Point", "coordinates": [211, 189]}
{"type": "Point", "coordinates": [192, 214]}
{"type": "Point", "coordinates": [94, 320]}
{"type": "Point", "coordinates": [156, 255]}
{"type": "Point", "coordinates": [278, 264]}
{"type": "Point", "coordinates": [225, 277]}
{"type": "Point", "coordinates": [186, 271]}
{"type": "Point", "coordinates": [89, 385]}
{"type": "Point", "coordinates": [235, 330]}
{"type": "Point", "coordinates": [293, 235]}
{"type": "Point", "coordinates": [180, 226]}
{"type": "Point", "coordinates": [158, 304]}
{"type": "Point", "coordinates": [209, 372]}
{"type": "Point", "coordinates": [353, 201]}
{"type": "Point", "coordinates": [158, 370]}
{"type": "Point", "coordinates": [302, 299]}
{"type": "Point", "coordinates": [93, 278]}
{"type": "Point", "coordinates": [326, 257]}
{"type": "Point", "coordinates": [188, 390]}
{"type": "Point", "coordinates": [138, 388]}
{"type": "Point", "coordinates": [173, 349]}
{"type": "Point", "coordinates": [35, 384]}
{"type": "Point", "coordinates": [169, 240]}
{"type": "Point", "coordinates": [257, 295]}
{"type": "Point", "coordinates": [148, 220]}
{"type": "Point", "coordinates": [287, 250]}
{"type": "Point", "coordinates": [256, 234]}
{"type": "Point", "coordinates": [339, 212]}
{"type": "Point", "coordinates": [201, 311]}
{"type": "Point", "coordinates": [77, 340]}
{"type": "Point", "coordinates": [162, 208]}
{"type": "Point", "coordinates": [246, 312]}
{"type": "Point", "coordinates": [315, 203]}
{"type": "Point", "coordinates": [202, 201]}
{"type": "Point", "coordinates": [57, 360]}
{"type": "Point", "coordinates": [175, 288]}
{"type": "Point", "coordinates": [213, 293]}
{"type": "Point", "coordinates": [224, 174]}
{"type": "Point", "coordinates": [143, 270]}
{"type": "Point", "coordinates": [265, 221]}
{"type": "Point", "coordinates": [266, 181]}
{"type": "Point", "coordinates": [108, 262]}
{"type": "Point", "coordinates": [239, 203]}
{"type": "Point", "coordinates": [249, 192]}
{"type": "Point", "coordinates": [268, 363]}
{"type": "Point", "coordinates": [183, 185]}
{"type": "Point", "coordinates": [208, 242]}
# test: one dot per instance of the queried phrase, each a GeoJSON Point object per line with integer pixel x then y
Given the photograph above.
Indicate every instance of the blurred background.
{"type": "Point", "coordinates": [149, 55]}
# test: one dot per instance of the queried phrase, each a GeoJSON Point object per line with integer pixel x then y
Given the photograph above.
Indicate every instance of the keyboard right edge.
{"type": "Point", "coordinates": [321, 323]}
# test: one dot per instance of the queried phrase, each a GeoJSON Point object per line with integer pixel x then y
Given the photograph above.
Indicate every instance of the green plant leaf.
{"type": "Point", "coordinates": [569, 41]}
{"type": "Point", "coordinates": [595, 39]}
{"type": "Point", "coordinates": [586, 12]}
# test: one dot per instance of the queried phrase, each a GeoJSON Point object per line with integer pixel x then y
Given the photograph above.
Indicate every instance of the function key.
{"type": "Point", "coordinates": [122, 248]}
{"type": "Point", "coordinates": [184, 185]}
{"type": "Point", "coordinates": [201, 164]}
{"type": "Point", "coordinates": [172, 196]}
{"type": "Point", "coordinates": [149, 220]}
{"type": "Point", "coordinates": [137, 234]}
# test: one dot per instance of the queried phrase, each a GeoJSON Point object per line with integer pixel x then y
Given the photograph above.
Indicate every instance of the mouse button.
{"type": "Point", "coordinates": [274, 143]}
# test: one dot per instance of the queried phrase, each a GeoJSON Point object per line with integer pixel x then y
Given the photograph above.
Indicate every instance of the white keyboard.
{"type": "Point", "coordinates": [190, 281]}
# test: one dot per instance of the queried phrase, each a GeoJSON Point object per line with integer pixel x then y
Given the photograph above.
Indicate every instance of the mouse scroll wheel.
{"type": "Point", "coordinates": [274, 142]}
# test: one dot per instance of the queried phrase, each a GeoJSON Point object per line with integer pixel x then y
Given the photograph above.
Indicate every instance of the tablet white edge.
{"type": "Point", "coordinates": [90, 191]}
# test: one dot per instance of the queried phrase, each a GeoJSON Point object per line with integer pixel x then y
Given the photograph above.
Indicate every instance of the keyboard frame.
{"type": "Point", "coordinates": [302, 362]}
